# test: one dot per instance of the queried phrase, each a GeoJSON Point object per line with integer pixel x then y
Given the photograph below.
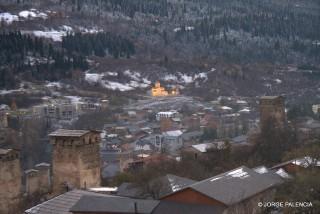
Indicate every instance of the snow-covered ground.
{"type": "Point", "coordinates": [8, 18]}
{"type": "Point", "coordinates": [32, 13]}
{"type": "Point", "coordinates": [52, 34]}
{"type": "Point", "coordinates": [136, 80]}
{"type": "Point", "coordinates": [3, 92]}
{"type": "Point", "coordinates": [187, 28]}
{"type": "Point", "coordinates": [57, 35]}
{"type": "Point", "coordinates": [185, 78]}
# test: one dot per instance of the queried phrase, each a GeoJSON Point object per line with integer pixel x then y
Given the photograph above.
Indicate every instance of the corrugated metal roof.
{"type": "Point", "coordinates": [114, 205]}
{"type": "Point", "coordinates": [236, 185]}
{"type": "Point", "coordinates": [68, 133]}
{"type": "Point", "coordinates": [62, 203]}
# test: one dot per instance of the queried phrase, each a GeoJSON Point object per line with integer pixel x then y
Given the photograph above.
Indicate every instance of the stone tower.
{"type": "Point", "coordinates": [10, 181]}
{"type": "Point", "coordinates": [272, 108]}
{"type": "Point", "coordinates": [75, 159]}
{"type": "Point", "coordinates": [3, 119]}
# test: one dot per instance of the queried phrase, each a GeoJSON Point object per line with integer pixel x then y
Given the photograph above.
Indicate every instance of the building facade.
{"type": "Point", "coordinates": [75, 159]}
{"type": "Point", "coordinates": [10, 181]}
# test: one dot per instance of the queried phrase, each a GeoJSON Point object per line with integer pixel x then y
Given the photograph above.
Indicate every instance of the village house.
{"type": "Point", "coordinates": [80, 201]}
{"type": "Point", "coordinates": [167, 114]}
{"type": "Point", "coordinates": [297, 165]}
{"type": "Point", "coordinates": [172, 141]}
{"type": "Point", "coordinates": [236, 191]}
{"type": "Point", "coordinates": [61, 111]}
{"type": "Point", "coordinates": [307, 128]}
{"type": "Point", "coordinates": [316, 109]}
{"type": "Point", "coordinates": [38, 179]}
{"type": "Point", "coordinates": [203, 150]}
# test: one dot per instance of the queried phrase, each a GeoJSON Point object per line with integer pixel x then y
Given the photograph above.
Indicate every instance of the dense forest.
{"type": "Point", "coordinates": [127, 7]}
{"type": "Point", "coordinates": [236, 31]}
{"type": "Point", "coordinates": [35, 58]}
{"type": "Point", "coordinates": [100, 44]}
{"type": "Point", "coordinates": [38, 59]}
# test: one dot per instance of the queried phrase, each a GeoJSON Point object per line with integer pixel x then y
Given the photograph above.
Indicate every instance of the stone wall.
{"type": "Point", "coordinates": [76, 162]}
{"type": "Point", "coordinates": [10, 182]}
{"type": "Point", "coordinates": [38, 179]}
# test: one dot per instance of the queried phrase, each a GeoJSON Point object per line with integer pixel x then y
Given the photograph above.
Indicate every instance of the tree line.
{"type": "Point", "coordinates": [33, 57]}
{"type": "Point", "coordinates": [39, 59]}
{"type": "Point", "coordinates": [127, 7]}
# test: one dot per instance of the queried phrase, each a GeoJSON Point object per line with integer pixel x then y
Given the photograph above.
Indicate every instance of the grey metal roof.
{"type": "Point", "coordinates": [5, 151]}
{"type": "Point", "coordinates": [170, 207]}
{"type": "Point", "coordinates": [113, 205]}
{"type": "Point", "coordinates": [188, 135]}
{"type": "Point", "coordinates": [68, 133]}
{"type": "Point", "coordinates": [128, 190]}
{"type": "Point", "coordinates": [94, 204]}
{"type": "Point", "coordinates": [174, 183]}
{"type": "Point", "coordinates": [236, 185]}
{"type": "Point", "coordinates": [269, 97]}
{"type": "Point", "coordinates": [240, 139]}
{"type": "Point", "coordinates": [62, 203]}
{"type": "Point", "coordinates": [43, 165]}
{"type": "Point", "coordinates": [30, 171]}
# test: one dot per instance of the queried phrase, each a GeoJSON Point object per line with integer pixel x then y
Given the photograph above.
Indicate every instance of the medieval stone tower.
{"type": "Point", "coordinates": [272, 108]}
{"type": "Point", "coordinates": [10, 180]}
{"type": "Point", "coordinates": [75, 159]}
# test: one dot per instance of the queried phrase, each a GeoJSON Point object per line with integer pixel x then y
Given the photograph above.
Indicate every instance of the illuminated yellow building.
{"type": "Point", "coordinates": [159, 91]}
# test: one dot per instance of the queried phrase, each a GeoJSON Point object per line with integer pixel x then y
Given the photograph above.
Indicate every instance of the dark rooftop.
{"type": "Point", "coordinates": [113, 205]}
{"type": "Point", "coordinates": [236, 185]}
{"type": "Point", "coordinates": [62, 203]}
{"type": "Point", "coordinates": [93, 204]}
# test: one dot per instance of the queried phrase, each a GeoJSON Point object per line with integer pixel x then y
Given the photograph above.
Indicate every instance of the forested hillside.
{"type": "Point", "coordinates": [163, 33]}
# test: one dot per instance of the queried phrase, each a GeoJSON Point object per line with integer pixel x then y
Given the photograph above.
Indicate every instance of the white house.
{"type": "Point", "coordinates": [166, 114]}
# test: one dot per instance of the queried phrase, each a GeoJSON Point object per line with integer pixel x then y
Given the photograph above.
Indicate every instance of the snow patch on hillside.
{"type": "Point", "coordinates": [32, 13]}
{"type": "Point", "coordinates": [54, 85]}
{"type": "Point", "coordinates": [185, 78]}
{"type": "Point", "coordinates": [117, 86]}
{"type": "Point", "coordinates": [55, 35]}
{"type": "Point", "coordinates": [134, 75]}
{"type": "Point", "coordinates": [170, 77]}
{"type": "Point", "coordinates": [8, 18]}
{"type": "Point", "coordinates": [135, 82]}
{"type": "Point", "coordinates": [186, 28]}
{"type": "Point", "coordinates": [278, 81]}
{"type": "Point", "coordinates": [93, 78]}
